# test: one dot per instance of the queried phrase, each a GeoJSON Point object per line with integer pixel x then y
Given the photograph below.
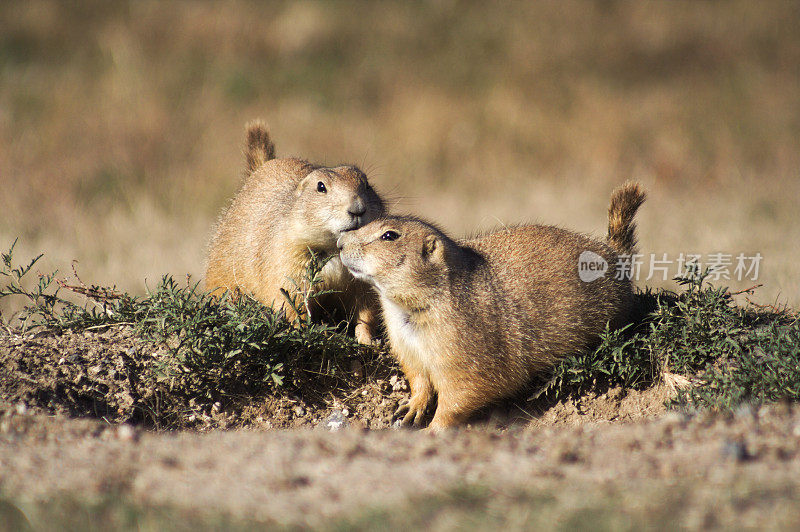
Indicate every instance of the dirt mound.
{"type": "Point", "coordinates": [92, 374]}
{"type": "Point", "coordinates": [111, 374]}
{"type": "Point", "coordinates": [615, 404]}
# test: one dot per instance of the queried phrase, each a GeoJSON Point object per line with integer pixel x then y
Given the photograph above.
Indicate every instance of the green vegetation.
{"type": "Point", "coordinates": [205, 348]}
{"type": "Point", "coordinates": [212, 340]}
{"type": "Point", "coordinates": [728, 354]}
{"type": "Point", "coordinates": [233, 346]}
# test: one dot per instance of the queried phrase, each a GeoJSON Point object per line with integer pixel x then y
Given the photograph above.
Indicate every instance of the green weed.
{"type": "Point", "coordinates": [732, 353]}
{"type": "Point", "coordinates": [205, 348]}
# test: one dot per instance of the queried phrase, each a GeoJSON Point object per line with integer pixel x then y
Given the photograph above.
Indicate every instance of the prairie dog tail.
{"type": "Point", "coordinates": [259, 147]}
{"type": "Point", "coordinates": [625, 201]}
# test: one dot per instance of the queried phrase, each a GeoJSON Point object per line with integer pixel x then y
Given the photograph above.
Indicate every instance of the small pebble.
{"type": "Point", "coordinates": [299, 411]}
{"type": "Point", "coordinates": [397, 383]}
{"type": "Point", "coordinates": [336, 421]}
{"type": "Point", "coordinates": [21, 409]}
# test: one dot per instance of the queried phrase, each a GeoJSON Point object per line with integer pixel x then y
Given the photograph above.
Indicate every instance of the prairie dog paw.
{"type": "Point", "coordinates": [412, 412]}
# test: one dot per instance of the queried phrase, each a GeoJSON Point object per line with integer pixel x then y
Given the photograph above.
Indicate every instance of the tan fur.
{"type": "Point", "coordinates": [472, 321]}
{"type": "Point", "coordinates": [263, 242]}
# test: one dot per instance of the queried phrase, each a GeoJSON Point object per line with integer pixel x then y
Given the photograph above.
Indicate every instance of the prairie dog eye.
{"type": "Point", "coordinates": [390, 235]}
{"type": "Point", "coordinates": [321, 187]}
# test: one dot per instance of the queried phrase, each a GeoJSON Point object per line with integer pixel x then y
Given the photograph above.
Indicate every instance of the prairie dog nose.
{"type": "Point", "coordinates": [357, 207]}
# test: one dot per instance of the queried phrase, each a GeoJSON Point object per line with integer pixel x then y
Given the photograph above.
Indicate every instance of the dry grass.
{"type": "Point", "coordinates": [121, 123]}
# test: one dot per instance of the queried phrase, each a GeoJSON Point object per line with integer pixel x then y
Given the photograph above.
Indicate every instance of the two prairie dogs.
{"type": "Point", "coordinates": [470, 321]}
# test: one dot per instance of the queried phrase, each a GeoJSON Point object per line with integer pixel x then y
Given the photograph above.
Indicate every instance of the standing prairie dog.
{"type": "Point", "coordinates": [473, 320]}
{"type": "Point", "coordinates": [286, 210]}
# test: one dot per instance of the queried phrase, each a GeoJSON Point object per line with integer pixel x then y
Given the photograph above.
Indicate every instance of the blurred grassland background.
{"type": "Point", "coordinates": [121, 123]}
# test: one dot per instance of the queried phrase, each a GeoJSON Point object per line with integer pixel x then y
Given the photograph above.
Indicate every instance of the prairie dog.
{"type": "Point", "coordinates": [286, 210]}
{"type": "Point", "coordinates": [473, 320]}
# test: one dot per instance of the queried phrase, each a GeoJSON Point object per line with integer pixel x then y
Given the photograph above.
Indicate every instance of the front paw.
{"type": "Point", "coordinates": [411, 413]}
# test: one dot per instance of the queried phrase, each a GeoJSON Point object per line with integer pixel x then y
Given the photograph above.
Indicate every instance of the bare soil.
{"type": "Point", "coordinates": [71, 425]}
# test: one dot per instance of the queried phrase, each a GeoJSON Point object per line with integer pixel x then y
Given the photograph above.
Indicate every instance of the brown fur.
{"type": "Point", "coordinates": [259, 147]}
{"type": "Point", "coordinates": [625, 201]}
{"type": "Point", "coordinates": [473, 320]}
{"type": "Point", "coordinates": [263, 242]}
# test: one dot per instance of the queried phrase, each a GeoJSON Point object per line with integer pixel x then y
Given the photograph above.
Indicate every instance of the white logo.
{"type": "Point", "coordinates": [591, 266]}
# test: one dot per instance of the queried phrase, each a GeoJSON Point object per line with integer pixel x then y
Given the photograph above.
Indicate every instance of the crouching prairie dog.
{"type": "Point", "coordinates": [286, 212]}
{"type": "Point", "coordinates": [472, 321]}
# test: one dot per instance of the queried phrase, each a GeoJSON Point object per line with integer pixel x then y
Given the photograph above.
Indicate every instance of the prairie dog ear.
{"type": "Point", "coordinates": [303, 184]}
{"type": "Point", "coordinates": [433, 248]}
{"type": "Point", "coordinates": [310, 180]}
{"type": "Point", "coordinates": [259, 147]}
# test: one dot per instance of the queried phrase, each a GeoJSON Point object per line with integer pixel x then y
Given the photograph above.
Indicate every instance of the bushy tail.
{"type": "Point", "coordinates": [259, 147]}
{"type": "Point", "coordinates": [625, 201]}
